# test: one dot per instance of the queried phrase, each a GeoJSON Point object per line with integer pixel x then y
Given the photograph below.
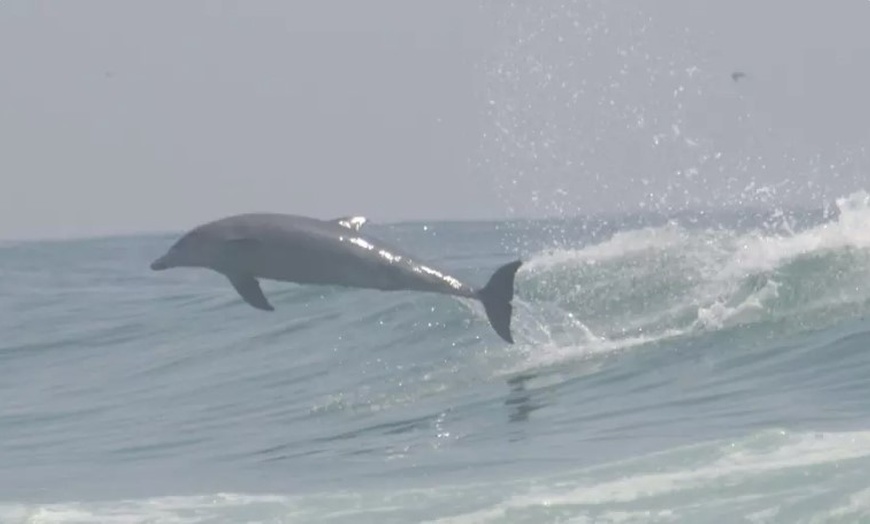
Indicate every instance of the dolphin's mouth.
{"type": "Point", "coordinates": [159, 265]}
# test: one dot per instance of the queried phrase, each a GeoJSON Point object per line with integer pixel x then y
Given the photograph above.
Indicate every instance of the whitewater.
{"type": "Point", "coordinates": [702, 367]}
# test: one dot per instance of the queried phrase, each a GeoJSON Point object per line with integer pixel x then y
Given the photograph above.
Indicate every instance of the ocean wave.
{"type": "Point", "coordinates": [710, 481]}
{"type": "Point", "coordinates": [652, 284]}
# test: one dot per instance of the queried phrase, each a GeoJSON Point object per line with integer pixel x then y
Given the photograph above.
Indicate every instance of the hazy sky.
{"type": "Point", "coordinates": [120, 116]}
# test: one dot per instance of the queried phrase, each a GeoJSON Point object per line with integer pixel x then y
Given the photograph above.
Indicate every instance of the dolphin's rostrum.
{"type": "Point", "coordinates": [305, 250]}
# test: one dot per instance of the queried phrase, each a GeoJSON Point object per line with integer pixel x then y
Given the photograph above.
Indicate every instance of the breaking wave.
{"type": "Point", "coordinates": [650, 284]}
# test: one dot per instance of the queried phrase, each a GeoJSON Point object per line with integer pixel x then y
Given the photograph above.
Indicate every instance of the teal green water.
{"type": "Point", "coordinates": [708, 369]}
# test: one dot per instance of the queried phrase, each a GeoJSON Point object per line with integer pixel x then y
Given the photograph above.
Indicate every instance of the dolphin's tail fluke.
{"type": "Point", "coordinates": [496, 297]}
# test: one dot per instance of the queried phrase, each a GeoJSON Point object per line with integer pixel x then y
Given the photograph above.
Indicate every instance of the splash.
{"type": "Point", "coordinates": [601, 106]}
{"type": "Point", "coordinates": [652, 284]}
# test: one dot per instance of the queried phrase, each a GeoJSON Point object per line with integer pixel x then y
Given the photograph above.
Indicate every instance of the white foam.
{"type": "Point", "coordinates": [170, 510]}
{"type": "Point", "coordinates": [720, 479]}
{"type": "Point", "coordinates": [640, 496]}
{"type": "Point", "coordinates": [719, 279]}
{"type": "Point", "coordinates": [746, 253]}
{"type": "Point", "coordinates": [740, 462]}
{"type": "Point", "coordinates": [857, 506]}
{"type": "Point", "coordinates": [762, 252]}
{"type": "Point", "coordinates": [719, 314]}
{"type": "Point", "coordinates": [621, 245]}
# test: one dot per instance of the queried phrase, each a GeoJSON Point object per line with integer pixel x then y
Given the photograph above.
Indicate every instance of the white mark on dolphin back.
{"type": "Point", "coordinates": [446, 278]}
{"type": "Point", "coordinates": [452, 282]}
{"type": "Point", "coordinates": [389, 256]}
{"type": "Point", "coordinates": [361, 243]}
{"type": "Point", "coordinates": [354, 223]}
{"type": "Point", "coordinates": [367, 245]}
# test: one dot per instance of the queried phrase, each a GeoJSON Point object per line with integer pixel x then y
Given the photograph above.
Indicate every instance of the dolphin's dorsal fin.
{"type": "Point", "coordinates": [354, 223]}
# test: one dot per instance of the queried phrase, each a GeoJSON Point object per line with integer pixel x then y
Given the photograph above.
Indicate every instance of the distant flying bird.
{"type": "Point", "coordinates": [737, 75]}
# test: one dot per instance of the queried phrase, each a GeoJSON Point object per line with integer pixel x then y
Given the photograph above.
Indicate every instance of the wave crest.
{"type": "Point", "coordinates": [655, 283]}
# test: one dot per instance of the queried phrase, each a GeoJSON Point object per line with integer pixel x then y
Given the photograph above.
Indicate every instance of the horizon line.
{"type": "Point", "coordinates": [410, 221]}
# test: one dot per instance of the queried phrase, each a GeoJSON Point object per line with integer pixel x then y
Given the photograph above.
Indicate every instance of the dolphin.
{"type": "Point", "coordinates": [305, 250]}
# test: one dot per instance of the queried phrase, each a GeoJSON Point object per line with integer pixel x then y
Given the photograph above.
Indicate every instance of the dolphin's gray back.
{"type": "Point", "coordinates": [311, 251]}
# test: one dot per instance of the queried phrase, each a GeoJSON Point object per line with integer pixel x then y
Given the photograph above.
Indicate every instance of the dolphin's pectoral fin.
{"type": "Point", "coordinates": [249, 288]}
{"type": "Point", "coordinates": [354, 223]}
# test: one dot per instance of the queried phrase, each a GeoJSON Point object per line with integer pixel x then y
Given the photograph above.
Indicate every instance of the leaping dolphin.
{"type": "Point", "coordinates": [303, 250]}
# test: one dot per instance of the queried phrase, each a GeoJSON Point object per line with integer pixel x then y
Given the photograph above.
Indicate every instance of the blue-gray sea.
{"type": "Point", "coordinates": [701, 367]}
